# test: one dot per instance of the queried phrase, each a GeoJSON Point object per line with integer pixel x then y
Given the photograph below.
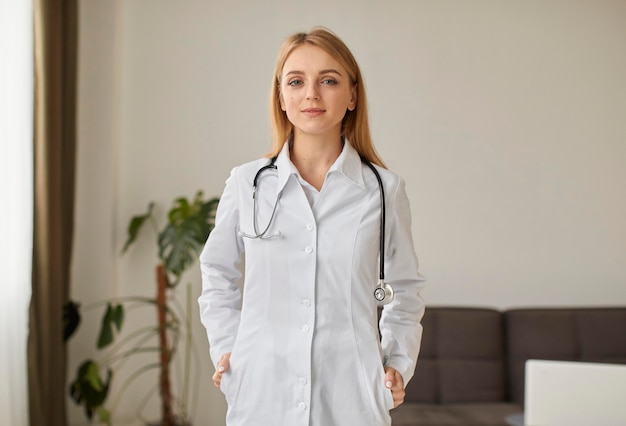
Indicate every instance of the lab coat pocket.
{"type": "Point", "coordinates": [389, 399]}
{"type": "Point", "coordinates": [388, 396]}
{"type": "Point", "coordinates": [228, 376]}
{"type": "Point", "coordinates": [231, 382]}
{"type": "Point", "coordinates": [224, 384]}
{"type": "Point", "coordinates": [236, 381]}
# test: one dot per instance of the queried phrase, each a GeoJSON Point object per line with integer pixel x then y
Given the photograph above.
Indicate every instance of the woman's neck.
{"type": "Point", "coordinates": [314, 155]}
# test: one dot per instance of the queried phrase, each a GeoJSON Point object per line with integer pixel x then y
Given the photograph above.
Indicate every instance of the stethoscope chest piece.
{"type": "Point", "coordinates": [383, 293]}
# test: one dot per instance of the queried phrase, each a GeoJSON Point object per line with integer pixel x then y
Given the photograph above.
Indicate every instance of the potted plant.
{"type": "Point", "coordinates": [189, 223]}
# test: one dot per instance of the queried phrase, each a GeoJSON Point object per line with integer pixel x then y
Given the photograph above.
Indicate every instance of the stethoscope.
{"type": "Point", "coordinates": [383, 293]}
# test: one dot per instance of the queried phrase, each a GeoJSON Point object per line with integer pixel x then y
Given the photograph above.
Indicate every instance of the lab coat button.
{"type": "Point", "coordinates": [302, 406]}
{"type": "Point", "coordinates": [308, 250]}
{"type": "Point", "coordinates": [309, 227]}
{"type": "Point", "coordinates": [302, 380]}
{"type": "Point", "coordinates": [305, 328]}
{"type": "Point", "coordinates": [306, 302]}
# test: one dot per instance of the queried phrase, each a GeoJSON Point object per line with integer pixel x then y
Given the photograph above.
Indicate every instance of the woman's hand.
{"type": "Point", "coordinates": [222, 367]}
{"type": "Point", "coordinates": [395, 382]}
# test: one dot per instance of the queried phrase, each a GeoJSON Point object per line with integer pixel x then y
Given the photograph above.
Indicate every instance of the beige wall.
{"type": "Point", "coordinates": [506, 118]}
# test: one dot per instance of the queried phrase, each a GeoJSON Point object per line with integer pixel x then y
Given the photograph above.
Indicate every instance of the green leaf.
{"type": "Point", "coordinates": [135, 226]}
{"type": "Point", "coordinates": [93, 377]}
{"type": "Point", "coordinates": [178, 248]}
{"type": "Point", "coordinates": [112, 316]}
{"type": "Point", "coordinates": [104, 415]}
{"type": "Point", "coordinates": [88, 389]}
{"type": "Point", "coordinates": [182, 239]}
{"type": "Point", "coordinates": [181, 210]}
{"type": "Point", "coordinates": [106, 332]}
{"type": "Point", "coordinates": [118, 317]}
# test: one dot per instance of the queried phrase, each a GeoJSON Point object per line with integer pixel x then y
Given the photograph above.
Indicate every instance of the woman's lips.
{"type": "Point", "coordinates": [313, 112]}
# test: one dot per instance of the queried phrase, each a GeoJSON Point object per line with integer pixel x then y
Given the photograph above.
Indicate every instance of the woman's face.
{"type": "Point", "coordinates": [315, 92]}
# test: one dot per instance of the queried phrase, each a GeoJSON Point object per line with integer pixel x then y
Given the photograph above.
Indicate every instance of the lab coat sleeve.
{"type": "Point", "coordinates": [400, 322]}
{"type": "Point", "coordinates": [220, 264]}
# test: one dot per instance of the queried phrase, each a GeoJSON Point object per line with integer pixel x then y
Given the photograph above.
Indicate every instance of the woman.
{"type": "Point", "coordinates": [301, 346]}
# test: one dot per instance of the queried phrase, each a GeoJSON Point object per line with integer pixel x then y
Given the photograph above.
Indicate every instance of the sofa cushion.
{"type": "Point", "coordinates": [568, 334]}
{"type": "Point", "coordinates": [462, 357]}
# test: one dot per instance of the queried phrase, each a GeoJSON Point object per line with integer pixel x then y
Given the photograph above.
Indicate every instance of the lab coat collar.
{"type": "Point", "coordinates": [348, 163]}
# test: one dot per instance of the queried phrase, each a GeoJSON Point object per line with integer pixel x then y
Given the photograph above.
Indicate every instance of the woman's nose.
{"type": "Point", "coordinates": [312, 92]}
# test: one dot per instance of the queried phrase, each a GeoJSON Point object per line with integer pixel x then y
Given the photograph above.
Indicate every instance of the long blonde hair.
{"type": "Point", "coordinates": [355, 126]}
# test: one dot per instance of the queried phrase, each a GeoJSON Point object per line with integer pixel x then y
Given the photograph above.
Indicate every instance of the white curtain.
{"type": "Point", "coordinates": [16, 195]}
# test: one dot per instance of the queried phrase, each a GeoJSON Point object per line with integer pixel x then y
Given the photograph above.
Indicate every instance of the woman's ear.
{"type": "Point", "coordinates": [282, 102]}
{"type": "Point", "coordinates": [353, 97]}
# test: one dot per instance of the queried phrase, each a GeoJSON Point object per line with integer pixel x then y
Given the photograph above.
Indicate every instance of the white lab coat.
{"type": "Point", "coordinates": [304, 336]}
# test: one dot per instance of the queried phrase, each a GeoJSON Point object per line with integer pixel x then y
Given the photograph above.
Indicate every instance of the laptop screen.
{"type": "Point", "coordinates": [574, 393]}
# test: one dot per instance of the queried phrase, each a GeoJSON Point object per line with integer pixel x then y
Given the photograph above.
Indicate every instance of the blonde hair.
{"type": "Point", "coordinates": [355, 126]}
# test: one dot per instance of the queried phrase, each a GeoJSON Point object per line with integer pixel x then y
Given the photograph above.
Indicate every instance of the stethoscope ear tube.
{"type": "Point", "coordinates": [263, 235]}
{"type": "Point", "coordinates": [270, 165]}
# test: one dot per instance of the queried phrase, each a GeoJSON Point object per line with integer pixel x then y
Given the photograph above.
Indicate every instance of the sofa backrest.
{"type": "Point", "coordinates": [568, 334]}
{"type": "Point", "coordinates": [461, 358]}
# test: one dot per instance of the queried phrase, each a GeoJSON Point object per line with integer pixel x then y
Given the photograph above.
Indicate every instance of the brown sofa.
{"type": "Point", "coordinates": [471, 366]}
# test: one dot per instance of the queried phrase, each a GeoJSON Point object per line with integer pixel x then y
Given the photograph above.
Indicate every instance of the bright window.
{"type": "Point", "coordinates": [16, 210]}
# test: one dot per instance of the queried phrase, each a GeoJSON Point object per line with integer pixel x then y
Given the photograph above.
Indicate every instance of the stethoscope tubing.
{"type": "Point", "coordinates": [383, 293]}
{"type": "Point", "coordinates": [255, 184]}
{"type": "Point", "coordinates": [383, 214]}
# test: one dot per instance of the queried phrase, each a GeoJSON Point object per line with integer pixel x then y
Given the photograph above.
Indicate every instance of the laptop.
{"type": "Point", "coordinates": [567, 393]}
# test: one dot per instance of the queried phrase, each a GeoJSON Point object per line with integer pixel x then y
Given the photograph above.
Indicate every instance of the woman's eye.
{"type": "Point", "coordinates": [329, 81]}
{"type": "Point", "coordinates": [295, 82]}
